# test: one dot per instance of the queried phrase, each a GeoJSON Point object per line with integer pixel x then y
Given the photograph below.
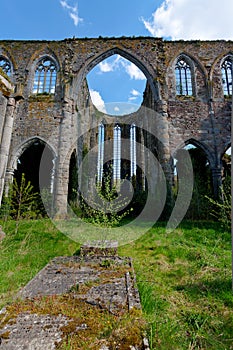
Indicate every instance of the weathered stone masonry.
{"type": "Point", "coordinates": [203, 118]}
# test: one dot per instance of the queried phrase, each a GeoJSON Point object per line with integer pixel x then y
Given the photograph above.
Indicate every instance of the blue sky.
{"type": "Point", "coordinates": [116, 80]}
{"type": "Point", "coordinates": [51, 19]}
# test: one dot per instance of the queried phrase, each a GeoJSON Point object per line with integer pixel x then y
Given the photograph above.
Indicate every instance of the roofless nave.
{"type": "Point", "coordinates": [45, 101]}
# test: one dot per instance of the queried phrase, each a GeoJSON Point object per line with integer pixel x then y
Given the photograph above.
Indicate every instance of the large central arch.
{"type": "Point", "coordinates": [147, 70]}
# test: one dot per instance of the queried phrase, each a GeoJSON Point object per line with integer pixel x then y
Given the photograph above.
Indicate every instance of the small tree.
{"type": "Point", "coordinates": [23, 200]}
{"type": "Point", "coordinates": [222, 207]}
{"type": "Point", "coordinates": [107, 212]}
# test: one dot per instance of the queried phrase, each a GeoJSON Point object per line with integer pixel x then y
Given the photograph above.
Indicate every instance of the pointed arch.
{"type": "Point", "coordinates": [147, 69]}
{"type": "Point", "coordinates": [197, 73]}
{"type": "Point", "coordinates": [227, 74]}
{"type": "Point", "coordinates": [36, 160]}
{"type": "Point", "coordinates": [5, 65]}
{"type": "Point", "coordinates": [184, 73]}
{"type": "Point", "coordinates": [43, 68]}
{"type": "Point", "coordinates": [202, 146]}
{"type": "Point", "coordinates": [24, 145]}
{"type": "Point", "coordinates": [45, 76]}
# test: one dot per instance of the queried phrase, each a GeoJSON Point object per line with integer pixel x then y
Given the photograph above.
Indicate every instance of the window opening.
{"type": "Point", "coordinates": [227, 77]}
{"type": "Point", "coordinates": [45, 77]}
{"type": "Point", "coordinates": [183, 78]}
{"type": "Point", "coordinates": [133, 150]}
{"type": "Point", "coordinates": [5, 66]}
{"type": "Point", "coordinates": [116, 153]}
{"type": "Point", "coordinates": [100, 153]}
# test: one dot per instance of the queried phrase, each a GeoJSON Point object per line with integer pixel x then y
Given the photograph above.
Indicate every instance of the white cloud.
{"type": "Point", "coordinates": [134, 72]}
{"type": "Point", "coordinates": [118, 63]}
{"type": "Point", "coordinates": [73, 12]}
{"type": "Point", "coordinates": [192, 19]}
{"type": "Point", "coordinates": [110, 66]}
{"type": "Point", "coordinates": [116, 109]}
{"type": "Point", "coordinates": [97, 100]}
{"type": "Point", "coordinates": [105, 67]}
{"type": "Point", "coordinates": [135, 92]}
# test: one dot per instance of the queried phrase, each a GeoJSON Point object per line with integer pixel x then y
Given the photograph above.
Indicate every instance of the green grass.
{"type": "Point", "coordinates": [23, 254]}
{"type": "Point", "coordinates": [184, 278]}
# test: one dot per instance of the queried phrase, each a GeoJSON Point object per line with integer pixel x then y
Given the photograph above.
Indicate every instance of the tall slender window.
{"type": "Point", "coordinates": [116, 153]}
{"type": "Point", "coordinates": [227, 76]}
{"type": "Point", "coordinates": [133, 150]}
{"type": "Point", "coordinates": [183, 78]}
{"type": "Point", "coordinates": [100, 153]}
{"type": "Point", "coordinates": [5, 66]}
{"type": "Point", "coordinates": [45, 77]}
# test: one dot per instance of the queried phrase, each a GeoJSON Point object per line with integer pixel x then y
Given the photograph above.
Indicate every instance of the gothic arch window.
{"type": "Point", "coordinates": [116, 153]}
{"type": "Point", "coordinates": [226, 69]}
{"type": "Point", "coordinates": [5, 65]}
{"type": "Point", "coordinates": [184, 84]}
{"type": "Point", "coordinates": [133, 160]}
{"type": "Point", "coordinates": [45, 76]}
{"type": "Point", "coordinates": [100, 164]}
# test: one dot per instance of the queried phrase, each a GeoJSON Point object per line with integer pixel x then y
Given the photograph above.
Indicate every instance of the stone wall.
{"type": "Point", "coordinates": [204, 118]}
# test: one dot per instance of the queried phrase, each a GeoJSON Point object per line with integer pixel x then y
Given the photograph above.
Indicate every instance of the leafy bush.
{"type": "Point", "coordinates": [104, 211]}
{"type": "Point", "coordinates": [222, 207]}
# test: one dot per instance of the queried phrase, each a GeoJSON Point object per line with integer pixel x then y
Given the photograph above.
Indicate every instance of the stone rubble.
{"type": "Point", "coordinates": [28, 331]}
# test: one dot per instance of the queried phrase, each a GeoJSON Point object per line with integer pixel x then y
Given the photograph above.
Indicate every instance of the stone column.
{"type": "Point", "coordinates": [217, 181]}
{"type": "Point", "coordinates": [63, 161]}
{"type": "Point", "coordinates": [164, 153]}
{"type": "Point", "coordinates": [6, 142]}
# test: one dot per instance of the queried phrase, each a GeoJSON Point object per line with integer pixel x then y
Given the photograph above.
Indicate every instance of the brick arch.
{"type": "Point", "coordinates": [25, 145]}
{"type": "Point", "coordinates": [147, 69]}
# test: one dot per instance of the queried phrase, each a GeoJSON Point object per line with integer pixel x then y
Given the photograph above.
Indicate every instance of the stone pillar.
{"type": "Point", "coordinates": [217, 181]}
{"type": "Point", "coordinates": [62, 161]}
{"type": "Point", "coordinates": [6, 142]}
{"type": "Point", "coordinates": [9, 177]}
{"type": "Point", "coordinates": [164, 153]}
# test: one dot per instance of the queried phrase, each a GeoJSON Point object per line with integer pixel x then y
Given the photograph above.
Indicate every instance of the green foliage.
{"type": "Point", "coordinates": [107, 212]}
{"type": "Point", "coordinates": [222, 207]}
{"type": "Point", "coordinates": [25, 252]}
{"type": "Point", "coordinates": [22, 202]}
{"type": "Point", "coordinates": [46, 207]}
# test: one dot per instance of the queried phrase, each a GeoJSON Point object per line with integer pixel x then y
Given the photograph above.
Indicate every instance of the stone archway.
{"type": "Point", "coordinates": [29, 163]}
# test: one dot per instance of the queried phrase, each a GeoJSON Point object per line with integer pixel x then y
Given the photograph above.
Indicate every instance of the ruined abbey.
{"type": "Point", "coordinates": [45, 101]}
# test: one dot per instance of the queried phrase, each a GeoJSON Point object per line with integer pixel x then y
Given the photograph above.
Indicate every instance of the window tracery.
{"type": "Point", "coordinates": [226, 69]}
{"type": "Point", "coordinates": [5, 65]}
{"type": "Point", "coordinates": [45, 77]}
{"type": "Point", "coordinates": [183, 74]}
